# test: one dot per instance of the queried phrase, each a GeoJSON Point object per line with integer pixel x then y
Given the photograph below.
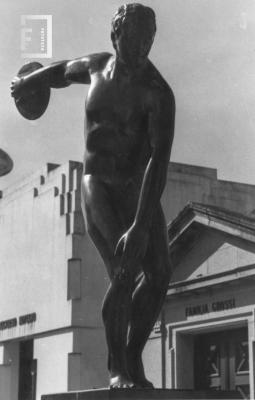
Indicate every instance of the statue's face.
{"type": "Point", "coordinates": [133, 43]}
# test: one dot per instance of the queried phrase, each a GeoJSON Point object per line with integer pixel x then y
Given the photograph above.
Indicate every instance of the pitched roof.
{"type": "Point", "coordinates": [212, 217]}
{"type": "Point", "coordinates": [198, 219]}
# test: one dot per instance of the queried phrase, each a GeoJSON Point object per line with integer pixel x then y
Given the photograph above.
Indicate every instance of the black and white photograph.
{"type": "Point", "coordinates": [127, 199]}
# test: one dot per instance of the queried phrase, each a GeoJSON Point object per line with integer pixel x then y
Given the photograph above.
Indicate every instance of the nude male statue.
{"type": "Point", "coordinates": [130, 112]}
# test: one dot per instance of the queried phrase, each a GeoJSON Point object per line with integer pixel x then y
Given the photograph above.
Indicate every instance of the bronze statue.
{"type": "Point", "coordinates": [130, 113]}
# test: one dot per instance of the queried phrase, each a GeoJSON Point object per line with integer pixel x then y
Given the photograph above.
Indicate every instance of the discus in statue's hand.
{"type": "Point", "coordinates": [33, 103]}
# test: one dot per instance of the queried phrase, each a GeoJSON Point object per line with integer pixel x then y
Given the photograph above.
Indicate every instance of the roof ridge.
{"type": "Point", "coordinates": [211, 211]}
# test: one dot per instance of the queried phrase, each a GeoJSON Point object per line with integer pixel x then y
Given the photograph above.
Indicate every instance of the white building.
{"type": "Point", "coordinates": [53, 282]}
{"type": "Point", "coordinates": [207, 332]}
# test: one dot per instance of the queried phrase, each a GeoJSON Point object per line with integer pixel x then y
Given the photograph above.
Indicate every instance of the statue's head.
{"type": "Point", "coordinates": [133, 31]}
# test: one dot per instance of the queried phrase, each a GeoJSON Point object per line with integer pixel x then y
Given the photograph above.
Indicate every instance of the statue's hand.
{"type": "Point", "coordinates": [133, 244]}
{"type": "Point", "coordinates": [17, 87]}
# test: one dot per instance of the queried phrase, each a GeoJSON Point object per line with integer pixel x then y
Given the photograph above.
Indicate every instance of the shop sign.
{"type": "Point", "coordinates": [23, 319]}
{"type": "Point", "coordinates": [206, 308]}
{"type": "Point", "coordinates": [9, 323]}
{"type": "Point", "coordinates": [27, 319]}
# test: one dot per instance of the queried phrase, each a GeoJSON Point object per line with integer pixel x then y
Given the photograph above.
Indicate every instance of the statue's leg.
{"type": "Point", "coordinates": [148, 297]}
{"type": "Point", "coordinates": [105, 228]}
{"type": "Point", "coordinates": [116, 316]}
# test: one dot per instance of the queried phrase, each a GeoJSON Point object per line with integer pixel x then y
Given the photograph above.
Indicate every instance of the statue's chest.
{"type": "Point", "coordinates": [121, 101]}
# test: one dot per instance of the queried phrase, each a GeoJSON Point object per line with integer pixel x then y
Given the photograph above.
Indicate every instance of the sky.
{"type": "Point", "coordinates": [205, 49]}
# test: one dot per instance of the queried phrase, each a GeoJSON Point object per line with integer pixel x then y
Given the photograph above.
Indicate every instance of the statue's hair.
{"type": "Point", "coordinates": [145, 14]}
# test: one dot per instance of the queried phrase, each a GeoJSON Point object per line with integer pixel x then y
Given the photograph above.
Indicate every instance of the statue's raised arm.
{"type": "Point", "coordinates": [31, 87]}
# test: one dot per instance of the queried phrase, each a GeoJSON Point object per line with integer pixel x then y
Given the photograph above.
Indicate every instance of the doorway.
{"type": "Point", "coordinates": [27, 371]}
{"type": "Point", "coordinates": [221, 361]}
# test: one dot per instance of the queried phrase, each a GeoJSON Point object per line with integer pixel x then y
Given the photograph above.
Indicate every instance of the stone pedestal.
{"type": "Point", "coordinates": [142, 394]}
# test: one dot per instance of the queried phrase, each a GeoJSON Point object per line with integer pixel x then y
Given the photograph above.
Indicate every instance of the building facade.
{"type": "Point", "coordinates": [53, 282]}
{"type": "Point", "coordinates": [206, 335]}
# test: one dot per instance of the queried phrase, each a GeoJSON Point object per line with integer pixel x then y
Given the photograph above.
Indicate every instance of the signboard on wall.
{"type": "Point", "coordinates": [13, 322]}
{"type": "Point", "coordinates": [206, 308]}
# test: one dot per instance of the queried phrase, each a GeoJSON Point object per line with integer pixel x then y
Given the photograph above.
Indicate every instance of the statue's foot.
{"type": "Point", "coordinates": [143, 383]}
{"type": "Point", "coordinates": [120, 381]}
{"type": "Point", "coordinates": [136, 372]}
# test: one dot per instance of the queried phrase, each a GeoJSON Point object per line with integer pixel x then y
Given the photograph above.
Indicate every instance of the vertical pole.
{"type": "Point", "coordinates": [251, 338]}
{"type": "Point", "coordinates": [163, 348]}
{"type": "Point", "coordinates": [34, 375]}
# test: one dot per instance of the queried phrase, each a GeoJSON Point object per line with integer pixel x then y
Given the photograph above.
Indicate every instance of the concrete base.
{"type": "Point", "coordinates": [143, 394]}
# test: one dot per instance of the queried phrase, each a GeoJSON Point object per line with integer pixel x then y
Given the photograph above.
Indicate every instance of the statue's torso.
{"type": "Point", "coordinates": [116, 131]}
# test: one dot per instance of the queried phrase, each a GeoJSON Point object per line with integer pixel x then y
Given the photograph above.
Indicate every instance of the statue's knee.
{"type": "Point", "coordinates": [122, 277]}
